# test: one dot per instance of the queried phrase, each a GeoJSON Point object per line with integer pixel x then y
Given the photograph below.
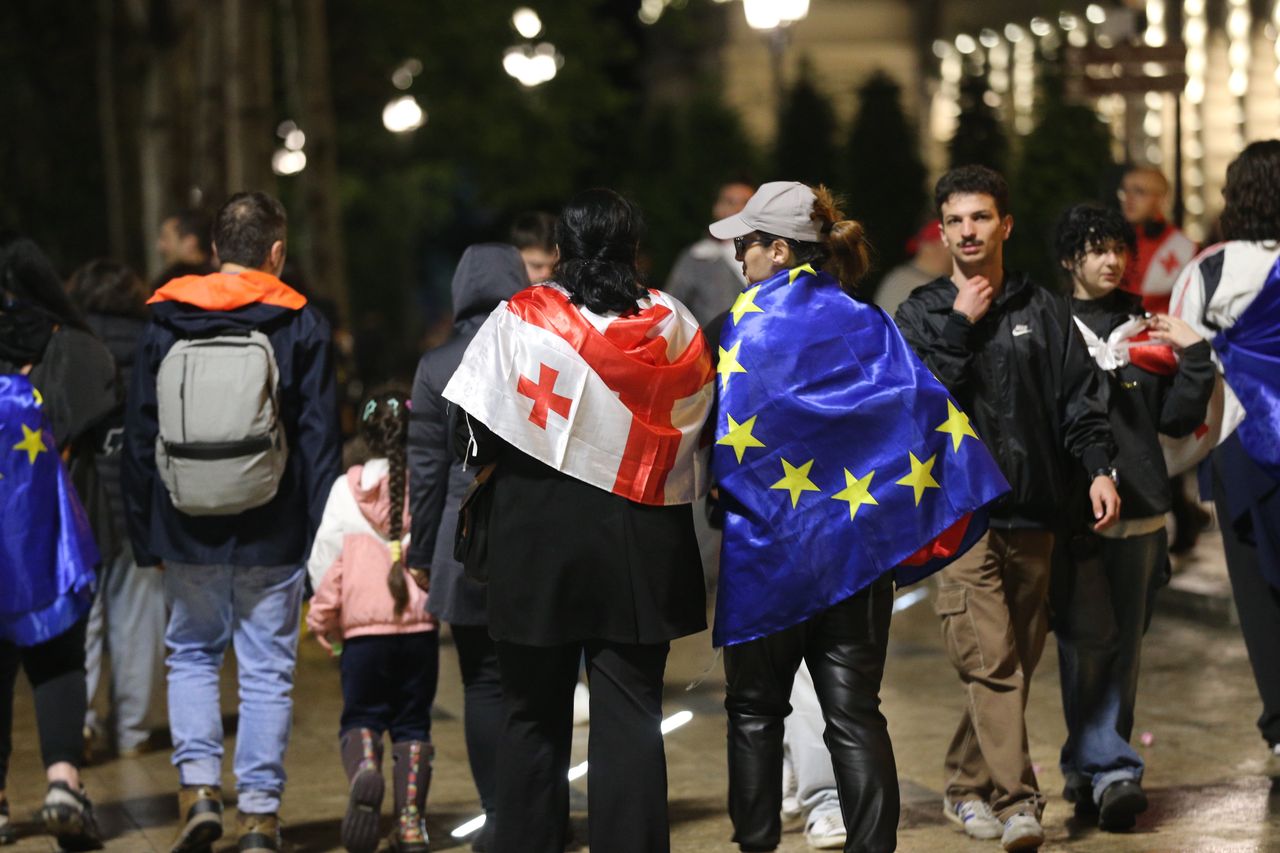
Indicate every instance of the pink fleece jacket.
{"type": "Point", "coordinates": [351, 558]}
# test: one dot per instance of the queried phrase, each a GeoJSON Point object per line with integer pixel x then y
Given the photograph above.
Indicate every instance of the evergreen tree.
{"type": "Point", "coordinates": [885, 176]}
{"type": "Point", "coordinates": [979, 136]}
{"type": "Point", "coordinates": [1062, 163]}
{"type": "Point", "coordinates": [805, 146]}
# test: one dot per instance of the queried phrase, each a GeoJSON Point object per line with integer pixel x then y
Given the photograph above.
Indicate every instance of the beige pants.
{"type": "Point", "coordinates": [993, 605]}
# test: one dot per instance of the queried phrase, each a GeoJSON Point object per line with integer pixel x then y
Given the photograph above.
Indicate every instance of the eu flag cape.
{"type": "Point", "coordinates": [1250, 354]}
{"type": "Point", "coordinates": [47, 553]}
{"type": "Point", "coordinates": [838, 457]}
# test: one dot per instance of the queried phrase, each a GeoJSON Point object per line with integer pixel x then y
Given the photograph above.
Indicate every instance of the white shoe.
{"type": "Point", "coordinates": [1022, 832]}
{"type": "Point", "coordinates": [974, 817]}
{"type": "Point", "coordinates": [826, 830]}
{"type": "Point", "coordinates": [581, 704]}
{"type": "Point", "coordinates": [790, 791]}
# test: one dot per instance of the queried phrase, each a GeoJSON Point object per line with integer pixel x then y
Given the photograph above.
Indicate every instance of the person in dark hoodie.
{"type": "Point", "coordinates": [1007, 349]}
{"type": "Point", "coordinates": [487, 275]}
{"type": "Point", "coordinates": [1102, 601]}
{"type": "Point", "coordinates": [128, 616]}
{"type": "Point", "coordinates": [231, 446]}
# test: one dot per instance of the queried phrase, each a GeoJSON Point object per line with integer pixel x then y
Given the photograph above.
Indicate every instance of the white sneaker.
{"type": "Point", "coordinates": [790, 791]}
{"type": "Point", "coordinates": [826, 830]}
{"type": "Point", "coordinates": [974, 817]}
{"type": "Point", "coordinates": [1022, 832]}
{"type": "Point", "coordinates": [581, 704]}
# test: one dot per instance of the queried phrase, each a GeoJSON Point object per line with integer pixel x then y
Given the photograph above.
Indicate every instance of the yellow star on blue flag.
{"type": "Point", "coordinates": [796, 480]}
{"type": "Point", "coordinates": [728, 364]}
{"type": "Point", "coordinates": [745, 304]}
{"type": "Point", "coordinates": [956, 425]}
{"type": "Point", "coordinates": [739, 436]}
{"type": "Point", "coordinates": [857, 491]}
{"type": "Point", "coordinates": [32, 442]}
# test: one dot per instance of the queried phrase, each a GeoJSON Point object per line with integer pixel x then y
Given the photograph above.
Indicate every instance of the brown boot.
{"type": "Point", "coordinates": [259, 833]}
{"type": "Point", "coordinates": [200, 810]}
{"type": "Point", "coordinates": [362, 759]}
{"type": "Point", "coordinates": [411, 777]}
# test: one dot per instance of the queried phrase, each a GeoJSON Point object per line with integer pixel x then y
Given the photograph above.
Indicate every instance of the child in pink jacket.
{"type": "Point", "coordinates": [367, 610]}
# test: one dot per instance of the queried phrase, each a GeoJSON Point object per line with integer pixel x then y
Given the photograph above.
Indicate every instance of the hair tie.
{"type": "Point", "coordinates": [395, 551]}
{"type": "Point", "coordinates": [394, 404]}
{"type": "Point", "coordinates": [369, 408]}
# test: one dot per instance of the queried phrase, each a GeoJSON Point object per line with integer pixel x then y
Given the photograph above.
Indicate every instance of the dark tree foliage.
{"type": "Point", "coordinates": [1064, 160]}
{"type": "Point", "coordinates": [980, 137]}
{"type": "Point", "coordinates": [885, 177]}
{"type": "Point", "coordinates": [805, 148]}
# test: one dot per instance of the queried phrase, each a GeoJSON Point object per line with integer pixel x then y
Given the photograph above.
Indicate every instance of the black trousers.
{"type": "Point", "coordinates": [844, 647]}
{"type": "Point", "coordinates": [1258, 604]}
{"type": "Point", "coordinates": [627, 795]}
{"type": "Point", "coordinates": [482, 712]}
{"type": "Point", "coordinates": [56, 672]}
{"type": "Point", "coordinates": [389, 683]}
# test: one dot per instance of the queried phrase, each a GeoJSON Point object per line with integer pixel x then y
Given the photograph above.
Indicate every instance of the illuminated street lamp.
{"type": "Point", "coordinates": [403, 114]}
{"type": "Point", "coordinates": [531, 65]}
{"type": "Point", "coordinates": [773, 17]}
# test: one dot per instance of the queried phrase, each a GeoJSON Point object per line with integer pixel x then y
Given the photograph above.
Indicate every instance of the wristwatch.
{"type": "Point", "coordinates": [1107, 472]}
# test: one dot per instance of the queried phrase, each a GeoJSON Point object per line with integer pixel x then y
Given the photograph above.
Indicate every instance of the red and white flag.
{"type": "Point", "coordinates": [618, 402]}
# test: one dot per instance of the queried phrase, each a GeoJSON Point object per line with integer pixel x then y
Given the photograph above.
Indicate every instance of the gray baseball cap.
{"type": "Point", "coordinates": [780, 208]}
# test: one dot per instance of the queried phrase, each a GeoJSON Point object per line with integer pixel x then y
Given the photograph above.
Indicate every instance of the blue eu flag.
{"type": "Point", "coordinates": [1250, 353]}
{"type": "Point", "coordinates": [838, 456]}
{"type": "Point", "coordinates": [47, 553]}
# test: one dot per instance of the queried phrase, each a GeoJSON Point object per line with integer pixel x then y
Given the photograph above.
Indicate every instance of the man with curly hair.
{"type": "Point", "coordinates": [1102, 603]}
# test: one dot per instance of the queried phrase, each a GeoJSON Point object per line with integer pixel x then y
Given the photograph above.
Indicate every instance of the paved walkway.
{"type": "Point", "coordinates": [1207, 768]}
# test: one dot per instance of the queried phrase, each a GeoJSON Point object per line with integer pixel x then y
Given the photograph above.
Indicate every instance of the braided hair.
{"type": "Point", "coordinates": [384, 426]}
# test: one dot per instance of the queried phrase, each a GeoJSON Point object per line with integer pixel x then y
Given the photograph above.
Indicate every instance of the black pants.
{"type": "Point", "coordinates": [844, 647]}
{"type": "Point", "coordinates": [482, 714]}
{"type": "Point", "coordinates": [1258, 604]}
{"type": "Point", "coordinates": [627, 794]}
{"type": "Point", "coordinates": [56, 672]}
{"type": "Point", "coordinates": [389, 683]}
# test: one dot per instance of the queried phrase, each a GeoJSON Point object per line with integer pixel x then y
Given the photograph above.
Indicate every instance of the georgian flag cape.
{"type": "Point", "coordinates": [616, 401]}
{"type": "Point", "coordinates": [1129, 343]}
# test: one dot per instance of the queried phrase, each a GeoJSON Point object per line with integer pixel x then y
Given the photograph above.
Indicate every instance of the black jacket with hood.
{"type": "Point", "coordinates": [278, 532]}
{"type": "Point", "coordinates": [488, 274]}
{"type": "Point", "coordinates": [1024, 376]}
{"type": "Point", "coordinates": [1143, 404]}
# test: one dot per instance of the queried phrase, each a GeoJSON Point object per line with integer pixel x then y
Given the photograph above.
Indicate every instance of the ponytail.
{"type": "Point", "coordinates": [384, 426]}
{"type": "Point", "coordinates": [847, 254]}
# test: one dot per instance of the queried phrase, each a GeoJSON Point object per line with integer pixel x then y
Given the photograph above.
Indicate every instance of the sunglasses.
{"type": "Point", "coordinates": [741, 244]}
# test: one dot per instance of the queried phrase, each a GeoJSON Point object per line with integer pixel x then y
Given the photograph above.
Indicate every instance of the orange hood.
{"type": "Point", "coordinates": [222, 291]}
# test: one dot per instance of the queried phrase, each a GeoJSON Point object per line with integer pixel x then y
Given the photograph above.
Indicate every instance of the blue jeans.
{"type": "Point", "coordinates": [1102, 605]}
{"type": "Point", "coordinates": [256, 608]}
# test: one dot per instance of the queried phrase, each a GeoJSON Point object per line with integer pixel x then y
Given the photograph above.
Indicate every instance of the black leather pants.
{"type": "Point", "coordinates": [844, 647]}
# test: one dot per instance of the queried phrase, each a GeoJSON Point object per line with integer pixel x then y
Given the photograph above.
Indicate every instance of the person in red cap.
{"type": "Point", "coordinates": [930, 259]}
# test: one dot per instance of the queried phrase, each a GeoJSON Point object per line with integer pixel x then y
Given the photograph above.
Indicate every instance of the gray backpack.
{"type": "Point", "coordinates": [221, 448]}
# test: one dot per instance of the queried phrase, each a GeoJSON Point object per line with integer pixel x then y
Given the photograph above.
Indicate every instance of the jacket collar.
{"type": "Point", "coordinates": [228, 291]}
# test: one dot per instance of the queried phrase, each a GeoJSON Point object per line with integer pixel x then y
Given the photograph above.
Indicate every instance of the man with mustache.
{"type": "Point", "coordinates": [1009, 351]}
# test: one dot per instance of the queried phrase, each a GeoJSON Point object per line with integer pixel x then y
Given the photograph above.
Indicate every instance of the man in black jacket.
{"type": "Point", "coordinates": [1008, 351]}
{"type": "Point", "coordinates": [488, 274]}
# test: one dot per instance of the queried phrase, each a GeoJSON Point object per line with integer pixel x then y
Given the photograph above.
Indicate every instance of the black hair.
{"type": "Point", "coordinates": [1252, 194]}
{"type": "Point", "coordinates": [246, 227]}
{"type": "Point", "coordinates": [108, 287]}
{"type": "Point", "coordinates": [384, 426]}
{"type": "Point", "coordinates": [27, 275]}
{"type": "Point", "coordinates": [972, 179]}
{"type": "Point", "coordinates": [598, 233]}
{"type": "Point", "coordinates": [535, 229]}
{"type": "Point", "coordinates": [192, 222]}
{"type": "Point", "coordinates": [1084, 226]}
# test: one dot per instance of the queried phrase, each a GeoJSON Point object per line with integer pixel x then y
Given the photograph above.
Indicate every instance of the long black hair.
{"type": "Point", "coordinates": [27, 275]}
{"type": "Point", "coordinates": [599, 234]}
{"type": "Point", "coordinates": [1252, 194]}
{"type": "Point", "coordinates": [384, 426]}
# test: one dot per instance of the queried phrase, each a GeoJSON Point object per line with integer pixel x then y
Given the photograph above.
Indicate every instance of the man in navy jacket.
{"type": "Point", "coordinates": [235, 578]}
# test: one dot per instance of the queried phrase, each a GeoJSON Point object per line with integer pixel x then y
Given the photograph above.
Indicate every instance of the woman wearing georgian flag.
{"type": "Point", "coordinates": [589, 395]}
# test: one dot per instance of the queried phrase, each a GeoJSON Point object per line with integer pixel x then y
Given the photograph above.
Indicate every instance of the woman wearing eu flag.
{"type": "Point", "coordinates": [842, 466]}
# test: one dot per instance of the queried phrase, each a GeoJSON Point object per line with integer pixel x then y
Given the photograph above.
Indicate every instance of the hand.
{"type": "Point", "coordinates": [421, 577]}
{"type": "Point", "coordinates": [1172, 331]}
{"type": "Point", "coordinates": [974, 298]}
{"type": "Point", "coordinates": [324, 642]}
{"type": "Point", "coordinates": [1106, 502]}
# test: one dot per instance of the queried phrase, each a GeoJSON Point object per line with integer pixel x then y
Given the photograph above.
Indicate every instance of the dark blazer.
{"type": "Point", "coordinates": [567, 561]}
